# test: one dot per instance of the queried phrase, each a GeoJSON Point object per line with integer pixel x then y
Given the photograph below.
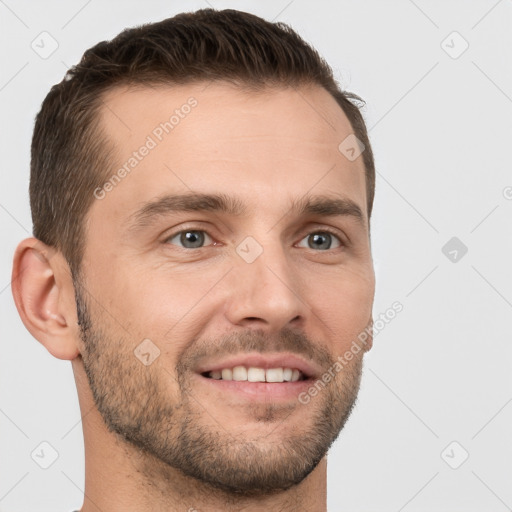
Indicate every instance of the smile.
{"type": "Point", "coordinates": [254, 374]}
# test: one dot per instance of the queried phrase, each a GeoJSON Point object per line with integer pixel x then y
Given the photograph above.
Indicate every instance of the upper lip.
{"type": "Point", "coordinates": [281, 360]}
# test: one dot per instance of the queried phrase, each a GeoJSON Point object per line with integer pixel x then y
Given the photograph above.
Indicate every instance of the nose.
{"type": "Point", "coordinates": [265, 293]}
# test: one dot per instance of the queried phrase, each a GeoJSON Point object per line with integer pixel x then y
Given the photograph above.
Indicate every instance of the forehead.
{"type": "Point", "coordinates": [215, 137]}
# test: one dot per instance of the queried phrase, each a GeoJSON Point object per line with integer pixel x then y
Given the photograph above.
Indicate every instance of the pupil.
{"type": "Point", "coordinates": [191, 239]}
{"type": "Point", "coordinates": [321, 241]}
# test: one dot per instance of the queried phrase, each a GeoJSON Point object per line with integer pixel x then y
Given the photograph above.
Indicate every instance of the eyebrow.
{"type": "Point", "coordinates": [221, 203]}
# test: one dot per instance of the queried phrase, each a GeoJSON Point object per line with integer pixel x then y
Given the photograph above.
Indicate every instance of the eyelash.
{"type": "Point", "coordinates": [318, 231]}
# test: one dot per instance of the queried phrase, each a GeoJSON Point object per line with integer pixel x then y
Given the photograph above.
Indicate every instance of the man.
{"type": "Point", "coordinates": [201, 193]}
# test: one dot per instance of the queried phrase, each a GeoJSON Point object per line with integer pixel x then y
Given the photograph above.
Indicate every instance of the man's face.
{"type": "Point", "coordinates": [270, 285]}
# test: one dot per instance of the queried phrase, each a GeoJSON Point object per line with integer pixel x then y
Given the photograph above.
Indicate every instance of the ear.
{"type": "Point", "coordinates": [369, 329]}
{"type": "Point", "coordinates": [44, 296]}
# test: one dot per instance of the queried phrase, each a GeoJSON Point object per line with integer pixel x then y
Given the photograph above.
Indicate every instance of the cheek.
{"type": "Point", "coordinates": [164, 305]}
{"type": "Point", "coordinates": [344, 304]}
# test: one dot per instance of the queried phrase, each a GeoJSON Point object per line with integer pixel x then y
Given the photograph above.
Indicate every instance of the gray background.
{"type": "Point", "coordinates": [440, 123]}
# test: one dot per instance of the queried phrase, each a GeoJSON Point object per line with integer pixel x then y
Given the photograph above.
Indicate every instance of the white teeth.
{"type": "Point", "coordinates": [239, 373]}
{"type": "Point", "coordinates": [227, 374]}
{"type": "Point", "coordinates": [287, 374]}
{"type": "Point", "coordinates": [256, 375]}
{"type": "Point", "coordinates": [252, 374]}
{"type": "Point", "coordinates": [275, 375]}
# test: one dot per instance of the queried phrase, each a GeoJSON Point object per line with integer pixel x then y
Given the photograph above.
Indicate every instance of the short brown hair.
{"type": "Point", "coordinates": [70, 154]}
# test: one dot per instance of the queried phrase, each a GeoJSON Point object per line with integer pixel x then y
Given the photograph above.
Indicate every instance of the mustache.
{"type": "Point", "coordinates": [254, 340]}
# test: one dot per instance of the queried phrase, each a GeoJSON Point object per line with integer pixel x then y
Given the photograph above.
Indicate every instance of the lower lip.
{"type": "Point", "coordinates": [259, 390]}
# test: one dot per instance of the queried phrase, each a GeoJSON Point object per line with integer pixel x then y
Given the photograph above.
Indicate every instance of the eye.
{"type": "Point", "coordinates": [321, 240]}
{"type": "Point", "coordinates": [189, 238]}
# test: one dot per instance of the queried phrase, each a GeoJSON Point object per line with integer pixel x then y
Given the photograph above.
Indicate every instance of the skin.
{"type": "Point", "coordinates": [156, 436]}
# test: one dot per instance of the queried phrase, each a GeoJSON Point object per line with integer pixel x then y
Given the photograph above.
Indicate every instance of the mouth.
{"type": "Point", "coordinates": [255, 376]}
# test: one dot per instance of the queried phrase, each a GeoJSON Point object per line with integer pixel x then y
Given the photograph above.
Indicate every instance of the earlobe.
{"type": "Point", "coordinates": [41, 291]}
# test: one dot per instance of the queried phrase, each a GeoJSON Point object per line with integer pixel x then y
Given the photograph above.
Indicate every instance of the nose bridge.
{"type": "Point", "coordinates": [265, 286]}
